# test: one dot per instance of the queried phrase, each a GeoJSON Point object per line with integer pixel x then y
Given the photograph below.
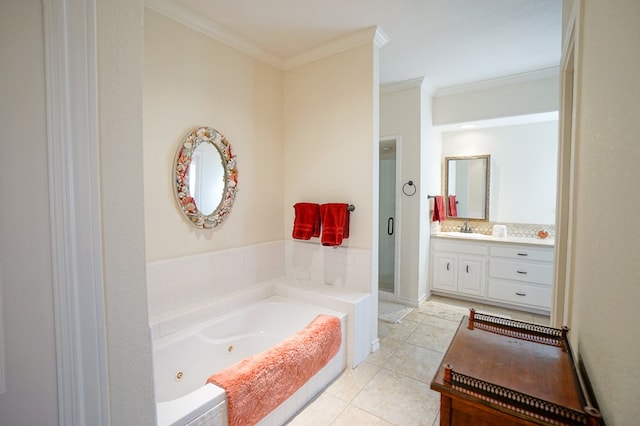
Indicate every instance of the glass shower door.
{"type": "Point", "coordinates": [387, 211]}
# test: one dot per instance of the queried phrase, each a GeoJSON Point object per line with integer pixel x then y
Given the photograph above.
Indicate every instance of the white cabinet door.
{"type": "Point", "coordinates": [444, 272]}
{"type": "Point", "coordinates": [471, 275]}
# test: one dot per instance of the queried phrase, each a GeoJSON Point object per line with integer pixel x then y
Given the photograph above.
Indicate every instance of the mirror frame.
{"type": "Point", "coordinates": [186, 203]}
{"type": "Point", "coordinates": [487, 157]}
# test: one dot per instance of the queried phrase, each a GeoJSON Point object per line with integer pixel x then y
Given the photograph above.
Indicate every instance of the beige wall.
{"type": "Point", "coordinates": [120, 72]}
{"type": "Point", "coordinates": [511, 98]}
{"type": "Point", "coordinates": [192, 80]}
{"type": "Point", "coordinates": [606, 268]}
{"type": "Point", "coordinates": [329, 137]}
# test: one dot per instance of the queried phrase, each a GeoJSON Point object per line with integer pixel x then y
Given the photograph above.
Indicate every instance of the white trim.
{"type": "Point", "coordinates": [401, 85]}
{"type": "Point", "coordinates": [342, 44]}
{"type": "Point", "coordinates": [72, 142]}
{"type": "Point", "coordinates": [499, 81]}
{"type": "Point", "coordinates": [186, 16]}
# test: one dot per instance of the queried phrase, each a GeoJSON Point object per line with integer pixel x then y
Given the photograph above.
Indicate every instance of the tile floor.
{"type": "Point", "coordinates": [391, 387]}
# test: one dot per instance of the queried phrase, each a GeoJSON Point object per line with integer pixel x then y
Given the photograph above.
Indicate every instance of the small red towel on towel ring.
{"type": "Point", "coordinates": [306, 223]}
{"type": "Point", "coordinates": [335, 223]}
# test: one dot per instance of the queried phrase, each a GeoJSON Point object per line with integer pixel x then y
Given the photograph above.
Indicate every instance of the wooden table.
{"type": "Point", "coordinates": [500, 371]}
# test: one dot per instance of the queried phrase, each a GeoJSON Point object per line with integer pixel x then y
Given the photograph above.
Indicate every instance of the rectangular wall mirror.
{"type": "Point", "coordinates": [467, 187]}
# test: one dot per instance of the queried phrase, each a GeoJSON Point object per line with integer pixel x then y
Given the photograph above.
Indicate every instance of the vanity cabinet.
{"type": "Point", "coordinates": [521, 275]}
{"type": "Point", "coordinates": [459, 268]}
{"type": "Point", "coordinates": [493, 271]}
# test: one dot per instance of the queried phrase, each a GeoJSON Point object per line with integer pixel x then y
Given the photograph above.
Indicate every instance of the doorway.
{"type": "Point", "coordinates": [388, 214]}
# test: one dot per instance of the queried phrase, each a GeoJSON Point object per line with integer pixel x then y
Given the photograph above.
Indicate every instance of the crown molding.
{"type": "Point", "coordinates": [187, 17]}
{"type": "Point", "coordinates": [342, 44]}
{"type": "Point", "coordinates": [399, 86]}
{"type": "Point", "coordinates": [499, 81]}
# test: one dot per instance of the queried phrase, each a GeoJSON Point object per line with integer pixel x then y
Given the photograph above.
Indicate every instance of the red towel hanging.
{"type": "Point", "coordinates": [438, 209]}
{"type": "Point", "coordinates": [453, 206]}
{"type": "Point", "coordinates": [306, 223]}
{"type": "Point", "coordinates": [335, 223]}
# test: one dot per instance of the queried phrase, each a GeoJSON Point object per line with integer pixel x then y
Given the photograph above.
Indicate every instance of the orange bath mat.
{"type": "Point", "coordinates": [258, 384]}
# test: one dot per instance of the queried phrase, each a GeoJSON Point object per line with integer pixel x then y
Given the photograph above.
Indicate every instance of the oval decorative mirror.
{"type": "Point", "coordinates": [206, 177]}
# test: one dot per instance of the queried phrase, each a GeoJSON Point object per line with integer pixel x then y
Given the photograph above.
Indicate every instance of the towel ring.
{"type": "Point", "coordinates": [410, 184]}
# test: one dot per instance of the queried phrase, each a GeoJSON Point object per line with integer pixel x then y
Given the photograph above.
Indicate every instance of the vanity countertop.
{"type": "Point", "coordinates": [549, 242]}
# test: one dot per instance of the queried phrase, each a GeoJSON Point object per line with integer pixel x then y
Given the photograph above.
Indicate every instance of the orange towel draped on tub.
{"type": "Point", "coordinates": [306, 223]}
{"type": "Point", "coordinates": [256, 385]}
{"type": "Point", "coordinates": [335, 223]}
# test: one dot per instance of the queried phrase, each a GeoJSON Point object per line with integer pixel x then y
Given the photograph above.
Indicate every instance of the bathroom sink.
{"type": "Point", "coordinates": [465, 235]}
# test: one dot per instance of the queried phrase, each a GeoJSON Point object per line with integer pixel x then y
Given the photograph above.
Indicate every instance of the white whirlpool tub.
{"type": "Point", "coordinates": [184, 361]}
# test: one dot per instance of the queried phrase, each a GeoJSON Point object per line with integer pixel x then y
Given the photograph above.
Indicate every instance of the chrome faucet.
{"type": "Point", "coordinates": [466, 228]}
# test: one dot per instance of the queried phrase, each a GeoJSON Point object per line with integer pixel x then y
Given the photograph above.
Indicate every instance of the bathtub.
{"type": "Point", "coordinates": [183, 361]}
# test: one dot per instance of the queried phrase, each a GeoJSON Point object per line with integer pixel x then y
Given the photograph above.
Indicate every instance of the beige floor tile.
{"type": "Point", "coordinates": [431, 337]}
{"type": "Point", "coordinates": [354, 416]}
{"type": "Point", "coordinates": [398, 399]}
{"type": "Point", "coordinates": [440, 322]}
{"type": "Point", "coordinates": [399, 331]}
{"type": "Point", "coordinates": [322, 411]}
{"type": "Point", "coordinates": [388, 346]}
{"type": "Point", "coordinates": [415, 315]}
{"type": "Point", "coordinates": [441, 310]}
{"type": "Point", "coordinates": [415, 362]}
{"type": "Point", "coordinates": [352, 380]}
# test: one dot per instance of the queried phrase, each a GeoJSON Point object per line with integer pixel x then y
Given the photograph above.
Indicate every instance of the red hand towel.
{"type": "Point", "coordinates": [438, 209]}
{"type": "Point", "coordinates": [335, 223]}
{"type": "Point", "coordinates": [453, 206]}
{"type": "Point", "coordinates": [307, 221]}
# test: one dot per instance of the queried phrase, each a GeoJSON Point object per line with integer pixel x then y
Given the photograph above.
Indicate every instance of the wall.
{"type": "Point", "coordinates": [27, 345]}
{"type": "Point", "coordinates": [192, 80]}
{"type": "Point", "coordinates": [523, 168]}
{"type": "Point", "coordinates": [329, 132]}
{"type": "Point", "coordinates": [605, 218]}
{"type": "Point", "coordinates": [405, 111]}
{"type": "Point", "coordinates": [513, 96]}
{"type": "Point", "coordinates": [120, 85]}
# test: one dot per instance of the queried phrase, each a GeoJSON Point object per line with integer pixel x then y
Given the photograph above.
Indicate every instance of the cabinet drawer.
{"type": "Point", "coordinates": [540, 273]}
{"type": "Point", "coordinates": [522, 253]}
{"type": "Point", "coordinates": [455, 247]}
{"type": "Point", "coordinates": [520, 294]}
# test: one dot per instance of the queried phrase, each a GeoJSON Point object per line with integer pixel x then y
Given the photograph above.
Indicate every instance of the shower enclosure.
{"type": "Point", "coordinates": [387, 214]}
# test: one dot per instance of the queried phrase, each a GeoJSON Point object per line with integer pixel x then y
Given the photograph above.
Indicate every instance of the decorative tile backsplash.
{"type": "Point", "coordinates": [524, 230]}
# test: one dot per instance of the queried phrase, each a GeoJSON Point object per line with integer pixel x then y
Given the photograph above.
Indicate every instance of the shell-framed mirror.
{"type": "Point", "coordinates": [205, 177]}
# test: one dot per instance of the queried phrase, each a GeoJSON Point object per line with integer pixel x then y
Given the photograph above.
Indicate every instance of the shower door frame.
{"type": "Point", "coordinates": [397, 225]}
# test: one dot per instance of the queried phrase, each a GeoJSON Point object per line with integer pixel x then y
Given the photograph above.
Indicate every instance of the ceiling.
{"type": "Point", "coordinates": [451, 42]}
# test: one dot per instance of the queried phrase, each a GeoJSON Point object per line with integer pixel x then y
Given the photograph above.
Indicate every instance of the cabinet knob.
{"type": "Point", "coordinates": [521, 293]}
{"type": "Point", "coordinates": [523, 254]}
{"type": "Point", "coordinates": [522, 272]}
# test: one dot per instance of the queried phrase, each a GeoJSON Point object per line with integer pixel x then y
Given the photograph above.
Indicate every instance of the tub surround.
{"type": "Point", "coordinates": [357, 307]}
{"type": "Point", "coordinates": [184, 360]}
